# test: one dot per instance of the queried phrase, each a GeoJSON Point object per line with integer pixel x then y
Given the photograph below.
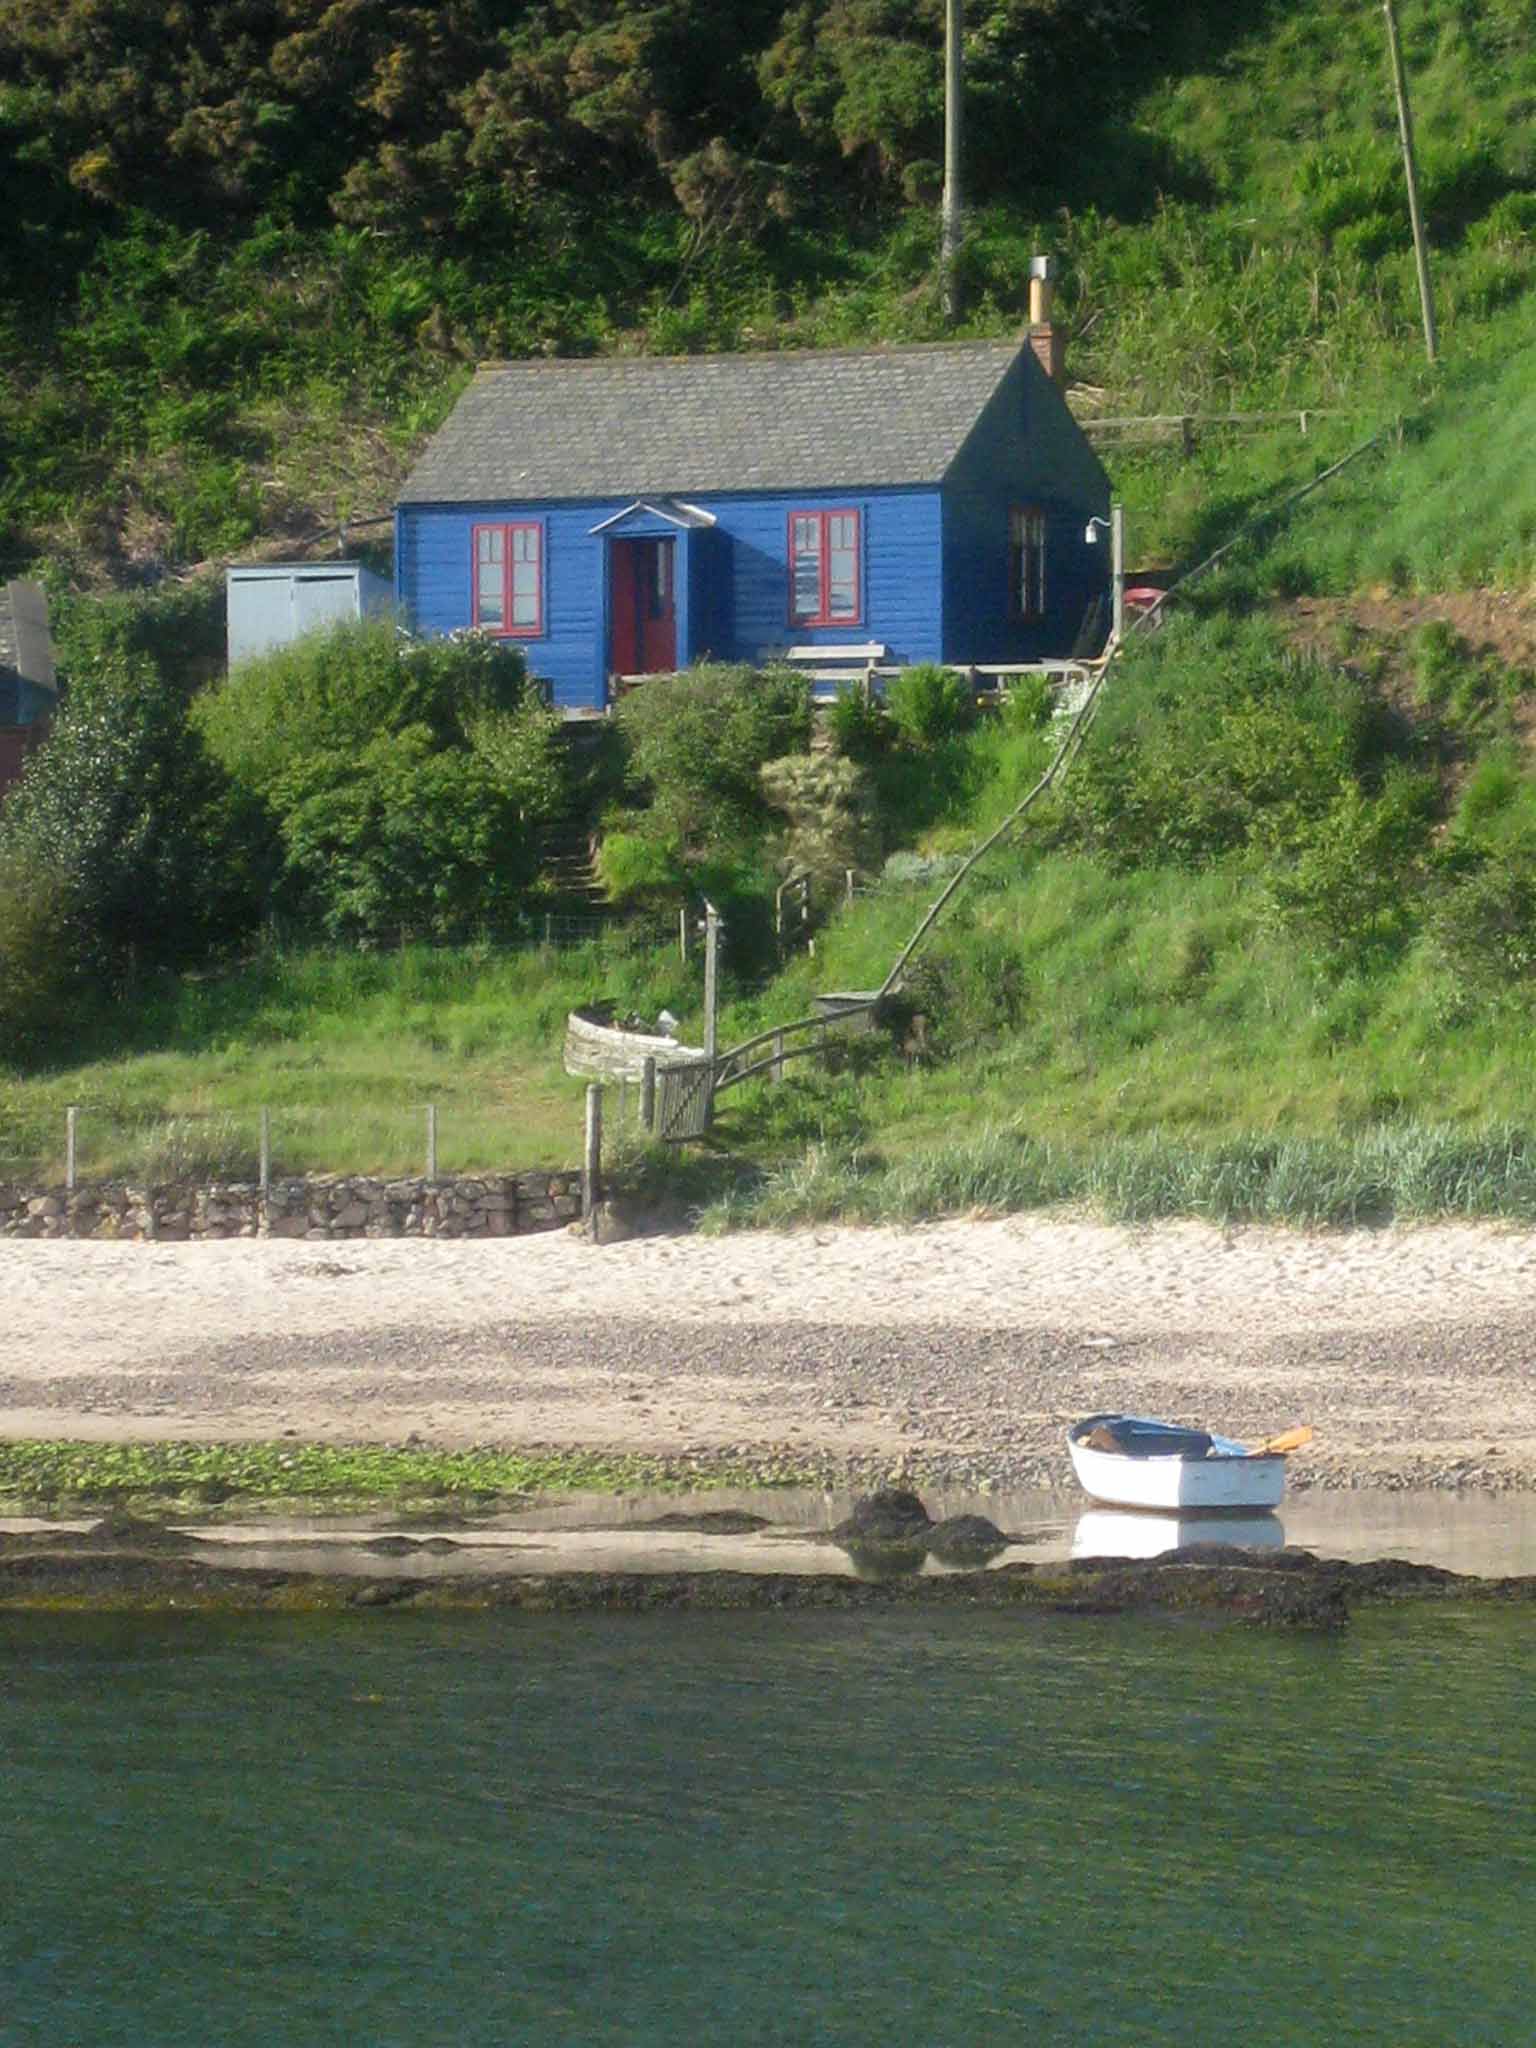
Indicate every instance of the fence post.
{"type": "Point", "coordinates": [549, 928]}
{"type": "Point", "coordinates": [682, 931]}
{"type": "Point", "coordinates": [266, 1151]}
{"type": "Point", "coordinates": [776, 1071]}
{"type": "Point", "coordinates": [1187, 432]}
{"type": "Point", "coordinates": [711, 977]}
{"type": "Point", "coordinates": [648, 1093]}
{"type": "Point", "coordinates": [431, 1141]}
{"type": "Point", "coordinates": [592, 1155]}
{"type": "Point", "coordinates": [70, 1116]}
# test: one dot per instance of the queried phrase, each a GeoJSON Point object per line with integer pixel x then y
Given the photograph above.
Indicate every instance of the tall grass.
{"type": "Point", "coordinates": [1410, 1173]}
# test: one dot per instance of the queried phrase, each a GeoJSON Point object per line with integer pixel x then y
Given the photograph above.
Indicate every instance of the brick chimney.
{"type": "Point", "coordinates": [1043, 335]}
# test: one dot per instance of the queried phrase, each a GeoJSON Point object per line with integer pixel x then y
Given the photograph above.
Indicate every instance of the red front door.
{"type": "Point", "coordinates": [644, 607]}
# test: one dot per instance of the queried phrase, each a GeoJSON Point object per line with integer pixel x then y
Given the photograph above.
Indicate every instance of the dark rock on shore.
{"type": "Point", "coordinates": [963, 1538]}
{"type": "Point", "coordinates": [890, 1516]}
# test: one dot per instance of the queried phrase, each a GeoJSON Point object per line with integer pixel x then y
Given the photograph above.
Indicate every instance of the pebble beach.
{"type": "Point", "coordinates": [956, 1351]}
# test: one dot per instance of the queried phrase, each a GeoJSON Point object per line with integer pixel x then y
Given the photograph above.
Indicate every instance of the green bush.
{"type": "Point", "coordinates": [1210, 727]}
{"type": "Point", "coordinates": [698, 742]}
{"type": "Point", "coordinates": [640, 868]}
{"type": "Point", "coordinates": [859, 729]}
{"type": "Point", "coordinates": [157, 857]}
{"type": "Point", "coordinates": [407, 781]}
{"type": "Point", "coordinates": [1028, 703]}
{"type": "Point", "coordinates": [1347, 877]}
{"type": "Point", "coordinates": [928, 704]}
{"type": "Point", "coordinates": [43, 978]}
{"type": "Point", "coordinates": [1483, 926]}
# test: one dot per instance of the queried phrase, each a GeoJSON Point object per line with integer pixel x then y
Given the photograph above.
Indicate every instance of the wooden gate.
{"type": "Point", "coordinates": [685, 1100]}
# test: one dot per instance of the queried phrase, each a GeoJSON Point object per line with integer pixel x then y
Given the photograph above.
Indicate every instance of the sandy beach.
{"type": "Point", "coordinates": [958, 1348]}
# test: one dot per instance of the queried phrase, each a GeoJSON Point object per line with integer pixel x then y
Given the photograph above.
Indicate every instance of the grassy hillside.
{"type": "Point", "coordinates": [253, 258]}
{"type": "Point", "coordinates": [1269, 953]}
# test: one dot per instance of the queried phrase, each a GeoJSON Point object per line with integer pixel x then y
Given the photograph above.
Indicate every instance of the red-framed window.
{"type": "Point", "coordinates": [1026, 562]}
{"type": "Point", "coordinates": [824, 580]}
{"type": "Point", "coordinates": [509, 578]}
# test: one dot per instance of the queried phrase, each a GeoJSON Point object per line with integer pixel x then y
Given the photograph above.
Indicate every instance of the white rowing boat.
{"type": "Point", "coordinates": [1130, 1461]}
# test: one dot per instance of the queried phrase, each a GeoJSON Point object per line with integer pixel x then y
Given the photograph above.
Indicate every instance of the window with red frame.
{"type": "Point", "coordinates": [1026, 562]}
{"type": "Point", "coordinates": [509, 578]}
{"type": "Point", "coordinates": [824, 568]}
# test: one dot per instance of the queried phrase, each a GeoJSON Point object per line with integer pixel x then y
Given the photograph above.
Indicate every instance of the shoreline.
{"type": "Point", "coordinates": [953, 1353]}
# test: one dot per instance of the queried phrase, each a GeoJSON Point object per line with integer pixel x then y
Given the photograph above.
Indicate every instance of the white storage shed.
{"type": "Point", "coordinates": [270, 604]}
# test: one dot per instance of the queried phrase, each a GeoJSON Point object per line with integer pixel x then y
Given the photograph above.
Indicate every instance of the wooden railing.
{"type": "Point", "coordinates": [1184, 427]}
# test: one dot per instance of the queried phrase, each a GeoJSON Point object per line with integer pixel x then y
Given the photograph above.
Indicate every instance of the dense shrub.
{"type": "Point", "coordinates": [1349, 877]}
{"type": "Point", "coordinates": [928, 704]}
{"type": "Point", "coordinates": [1211, 726]}
{"type": "Point", "coordinates": [156, 855]}
{"type": "Point", "coordinates": [43, 978]}
{"type": "Point", "coordinates": [698, 742]}
{"type": "Point", "coordinates": [406, 781]}
{"type": "Point", "coordinates": [857, 726]}
{"type": "Point", "coordinates": [827, 803]}
{"type": "Point", "coordinates": [1483, 926]}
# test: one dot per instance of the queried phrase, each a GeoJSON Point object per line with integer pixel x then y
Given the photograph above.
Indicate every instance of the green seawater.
{"type": "Point", "coordinates": [919, 1828]}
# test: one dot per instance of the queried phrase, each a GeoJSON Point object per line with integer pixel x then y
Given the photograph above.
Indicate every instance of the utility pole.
{"type": "Point", "coordinates": [949, 218]}
{"type": "Point", "coordinates": [1411, 170]}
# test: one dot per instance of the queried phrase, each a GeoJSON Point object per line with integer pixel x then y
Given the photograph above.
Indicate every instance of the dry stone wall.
{"type": "Point", "coordinates": [330, 1206]}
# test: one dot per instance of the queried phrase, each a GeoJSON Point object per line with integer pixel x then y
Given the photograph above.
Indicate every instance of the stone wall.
{"type": "Point", "coordinates": [479, 1205]}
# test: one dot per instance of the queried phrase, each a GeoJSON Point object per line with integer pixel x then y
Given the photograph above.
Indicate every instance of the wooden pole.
{"type": "Point", "coordinates": [71, 1116]}
{"type": "Point", "coordinates": [265, 1168]}
{"type": "Point", "coordinates": [592, 1152]}
{"type": "Point", "coordinates": [431, 1141]}
{"type": "Point", "coordinates": [1117, 570]}
{"type": "Point", "coordinates": [949, 218]}
{"type": "Point", "coordinates": [1411, 172]}
{"type": "Point", "coordinates": [711, 978]}
{"type": "Point", "coordinates": [648, 1093]}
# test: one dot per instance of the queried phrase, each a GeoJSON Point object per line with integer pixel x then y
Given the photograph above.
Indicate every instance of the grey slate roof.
{"type": "Point", "coordinates": [822, 419]}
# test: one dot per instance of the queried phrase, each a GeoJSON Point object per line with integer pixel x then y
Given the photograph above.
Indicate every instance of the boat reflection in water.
{"type": "Point", "coordinates": [1112, 1532]}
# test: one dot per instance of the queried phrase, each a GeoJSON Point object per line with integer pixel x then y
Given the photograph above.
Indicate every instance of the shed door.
{"type": "Point", "coordinates": [643, 601]}
{"type": "Point", "coordinates": [322, 600]}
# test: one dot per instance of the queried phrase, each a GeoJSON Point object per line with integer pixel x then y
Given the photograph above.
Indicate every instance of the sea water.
{"type": "Point", "coordinates": [916, 1827]}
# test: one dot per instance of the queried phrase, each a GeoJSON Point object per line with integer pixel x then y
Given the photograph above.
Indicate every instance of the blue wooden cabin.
{"type": "Point", "coordinates": [624, 517]}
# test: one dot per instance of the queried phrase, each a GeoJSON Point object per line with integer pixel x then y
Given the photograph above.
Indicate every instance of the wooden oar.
{"type": "Point", "coordinates": [1287, 1440]}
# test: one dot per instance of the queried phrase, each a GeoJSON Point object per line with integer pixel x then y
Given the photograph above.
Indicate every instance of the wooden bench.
{"type": "Point", "coordinates": [831, 669]}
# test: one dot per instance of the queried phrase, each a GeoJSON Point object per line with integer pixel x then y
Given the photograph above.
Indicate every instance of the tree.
{"type": "Point", "coordinates": [406, 781]}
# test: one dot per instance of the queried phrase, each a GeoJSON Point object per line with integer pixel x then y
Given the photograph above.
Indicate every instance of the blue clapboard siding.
{"type": "Point", "coordinates": [733, 588]}
{"type": "Point", "coordinates": [1025, 449]}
